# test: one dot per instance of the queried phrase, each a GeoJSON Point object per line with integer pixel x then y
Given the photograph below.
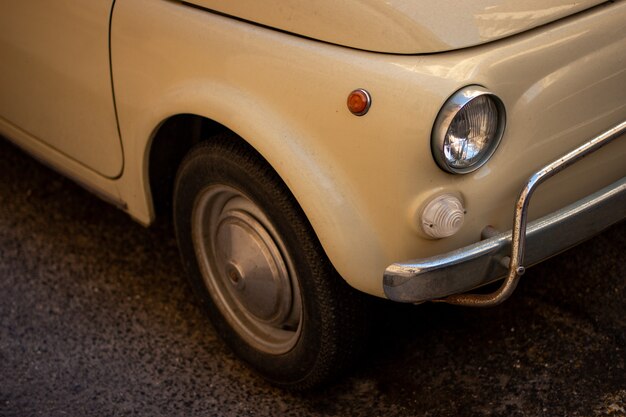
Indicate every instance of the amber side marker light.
{"type": "Point", "coordinates": [359, 102]}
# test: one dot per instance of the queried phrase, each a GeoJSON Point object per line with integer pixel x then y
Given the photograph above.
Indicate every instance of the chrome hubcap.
{"type": "Point", "coordinates": [247, 269]}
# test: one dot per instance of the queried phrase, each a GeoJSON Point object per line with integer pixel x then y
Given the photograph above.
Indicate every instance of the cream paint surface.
{"type": "Point", "coordinates": [55, 80]}
{"type": "Point", "coordinates": [401, 26]}
{"type": "Point", "coordinates": [360, 179]}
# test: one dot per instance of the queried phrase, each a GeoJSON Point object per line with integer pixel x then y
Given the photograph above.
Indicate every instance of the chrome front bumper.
{"type": "Point", "coordinates": [446, 277]}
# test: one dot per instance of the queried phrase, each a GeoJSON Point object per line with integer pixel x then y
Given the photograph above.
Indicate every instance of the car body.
{"type": "Point", "coordinates": [114, 94]}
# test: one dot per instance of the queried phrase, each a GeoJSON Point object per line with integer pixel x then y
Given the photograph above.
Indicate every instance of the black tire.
{"type": "Point", "coordinates": [330, 318]}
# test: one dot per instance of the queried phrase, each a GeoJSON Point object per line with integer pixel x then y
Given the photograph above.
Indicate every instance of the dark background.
{"type": "Point", "coordinates": [96, 318]}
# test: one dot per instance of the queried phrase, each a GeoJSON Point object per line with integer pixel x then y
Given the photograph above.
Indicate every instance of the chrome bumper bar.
{"type": "Point", "coordinates": [446, 277]}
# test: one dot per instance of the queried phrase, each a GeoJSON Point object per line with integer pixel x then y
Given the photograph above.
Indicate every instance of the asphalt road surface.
{"type": "Point", "coordinates": [96, 319]}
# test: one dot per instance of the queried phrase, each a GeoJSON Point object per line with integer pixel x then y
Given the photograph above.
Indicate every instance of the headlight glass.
{"type": "Point", "coordinates": [468, 130]}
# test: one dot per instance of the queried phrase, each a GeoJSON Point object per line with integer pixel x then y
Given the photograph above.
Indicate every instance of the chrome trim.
{"type": "Point", "coordinates": [483, 262]}
{"type": "Point", "coordinates": [447, 113]}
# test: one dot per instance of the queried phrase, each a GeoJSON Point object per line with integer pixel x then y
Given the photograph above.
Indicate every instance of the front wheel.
{"type": "Point", "coordinates": [259, 269]}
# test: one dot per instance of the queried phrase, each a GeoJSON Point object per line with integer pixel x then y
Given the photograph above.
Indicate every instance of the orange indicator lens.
{"type": "Point", "coordinates": [359, 102]}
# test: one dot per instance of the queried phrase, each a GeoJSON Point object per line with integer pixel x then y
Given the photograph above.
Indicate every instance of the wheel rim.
{"type": "Point", "coordinates": [247, 269]}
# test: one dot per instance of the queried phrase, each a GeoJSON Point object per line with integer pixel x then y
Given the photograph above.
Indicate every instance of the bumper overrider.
{"type": "Point", "coordinates": [446, 277]}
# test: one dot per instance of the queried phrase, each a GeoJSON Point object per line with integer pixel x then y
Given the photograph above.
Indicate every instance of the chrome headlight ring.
{"type": "Point", "coordinates": [468, 129]}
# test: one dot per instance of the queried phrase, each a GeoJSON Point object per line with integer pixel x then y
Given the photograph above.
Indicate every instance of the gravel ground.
{"type": "Point", "coordinates": [96, 319]}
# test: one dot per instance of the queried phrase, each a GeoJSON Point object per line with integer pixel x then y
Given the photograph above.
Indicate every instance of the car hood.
{"type": "Point", "coordinates": [400, 26]}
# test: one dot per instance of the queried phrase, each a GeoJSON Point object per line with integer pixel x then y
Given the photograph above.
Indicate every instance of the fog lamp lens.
{"type": "Point", "coordinates": [443, 216]}
{"type": "Point", "coordinates": [468, 130]}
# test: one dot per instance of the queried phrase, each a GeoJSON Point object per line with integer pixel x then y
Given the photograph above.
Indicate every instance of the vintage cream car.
{"type": "Point", "coordinates": [391, 145]}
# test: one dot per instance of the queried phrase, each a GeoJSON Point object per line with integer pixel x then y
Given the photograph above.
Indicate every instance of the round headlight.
{"type": "Point", "coordinates": [467, 130]}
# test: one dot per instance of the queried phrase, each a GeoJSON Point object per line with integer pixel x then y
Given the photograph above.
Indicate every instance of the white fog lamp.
{"type": "Point", "coordinates": [443, 216]}
{"type": "Point", "coordinates": [467, 130]}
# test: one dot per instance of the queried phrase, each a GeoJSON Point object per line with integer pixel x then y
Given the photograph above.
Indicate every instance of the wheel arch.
{"type": "Point", "coordinates": [170, 60]}
{"type": "Point", "coordinates": [176, 134]}
{"type": "Point", "coordinates": [171, 141]}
